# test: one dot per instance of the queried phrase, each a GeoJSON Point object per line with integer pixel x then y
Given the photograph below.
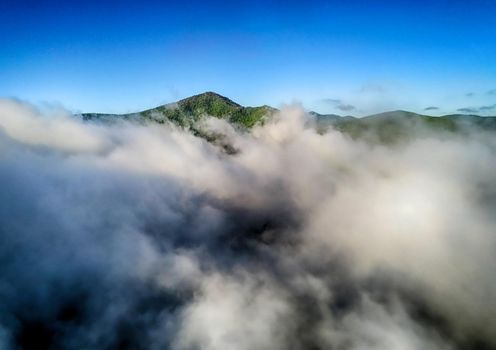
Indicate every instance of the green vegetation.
{"type": "Point", "coordinates": [400, 126]}
{"type": "Point", "coordinates": [389, 127]}
{"type": "Point", "coordinates": [187, 112]}
{"type": "Point", "coordinates": [208, 103]}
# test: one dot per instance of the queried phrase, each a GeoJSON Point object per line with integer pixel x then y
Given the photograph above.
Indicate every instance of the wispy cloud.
{"type": "Point", "coordinates": [487, 108]}
{"type": "Point", "coordinates": [345, 107]}
{"type": "Point", "coordinates": [339, 104]}
{"type": "Point", "coordinates": [474, 110]}
{"type": "Point", "coordinates": [468, 110]}
{"type": "Point", "coordinates": [431, 108]}
{"type": "Point", "coordinates": [371, 88]}
{"type": "Point", "coordinates": [331, 101]}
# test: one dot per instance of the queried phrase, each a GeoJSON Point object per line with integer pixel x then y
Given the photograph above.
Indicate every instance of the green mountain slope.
{"type": "Point", "coordinates": [388, 127]}
{"type": "Point", "coordinates": [189, 111]}
{"type": "Point", "coordinates": [395, 126]}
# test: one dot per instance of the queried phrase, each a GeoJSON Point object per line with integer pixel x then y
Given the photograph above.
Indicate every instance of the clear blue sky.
{"type": "Point", "coordinates": [347, 57]}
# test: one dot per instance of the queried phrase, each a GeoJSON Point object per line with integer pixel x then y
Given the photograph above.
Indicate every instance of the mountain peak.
{"type": "Point", "coordinates": [209, 97]}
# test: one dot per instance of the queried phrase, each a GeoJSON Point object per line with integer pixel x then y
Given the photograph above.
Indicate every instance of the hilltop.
{"type": "Point", "coordinates": [187, 112]}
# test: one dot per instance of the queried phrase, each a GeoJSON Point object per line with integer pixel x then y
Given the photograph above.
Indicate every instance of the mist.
{"type": "Point", "coordinates": [130, 236]}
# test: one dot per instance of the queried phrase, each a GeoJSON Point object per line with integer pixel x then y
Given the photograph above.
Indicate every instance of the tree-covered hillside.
{"type": "Point", "coordinates": [396, 126]}
{"type": "Point", "coordinates": [388, 127]}
{"type": "Point", "coordinates": [189, 111]}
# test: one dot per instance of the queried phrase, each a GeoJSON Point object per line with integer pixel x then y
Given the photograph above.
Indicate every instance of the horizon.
{"type": "Point", "coordinates": [355, 58]}
{"type": "Point", "coordinates": [425, 113]}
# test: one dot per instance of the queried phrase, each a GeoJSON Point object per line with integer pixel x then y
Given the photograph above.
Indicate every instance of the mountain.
{"type": "Point", "coordinates": [393, 126]}
{"type": "Point", "coordinates": [187, 112]}
{"type": "Point", "coordinates": [384, 127]}
{"type": "Point", "coordinates": [326, 118]}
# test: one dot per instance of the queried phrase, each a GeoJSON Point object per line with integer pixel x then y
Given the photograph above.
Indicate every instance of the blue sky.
{"type": "Point", "coordinates": [347, 57]}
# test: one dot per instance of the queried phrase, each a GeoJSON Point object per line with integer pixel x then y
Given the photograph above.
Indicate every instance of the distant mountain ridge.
{"type": "Point", "coordinates": [393, 126]}
{"type": "Point", "coordinates": [386, 127]}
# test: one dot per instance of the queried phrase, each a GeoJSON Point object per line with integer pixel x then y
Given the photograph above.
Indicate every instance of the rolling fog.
{"type": "Point", "coordinates": [147, 237]}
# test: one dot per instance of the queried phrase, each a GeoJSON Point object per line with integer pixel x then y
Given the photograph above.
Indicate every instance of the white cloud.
{"type": "Point", "coordinates": [150, 236]}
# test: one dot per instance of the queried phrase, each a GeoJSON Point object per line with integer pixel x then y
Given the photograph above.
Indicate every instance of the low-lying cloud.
{"type": "Point", "coordinates": [147, 237]}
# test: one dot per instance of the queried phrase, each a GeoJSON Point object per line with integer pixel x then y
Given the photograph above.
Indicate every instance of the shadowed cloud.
{"type": "Point", "coordinates": [145, 236]}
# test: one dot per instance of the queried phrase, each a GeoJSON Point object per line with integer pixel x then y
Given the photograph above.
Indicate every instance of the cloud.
{"type": "Point", "coordinates": [470, 94]}
{"type": "Point", "coordinates": [492, 92]}
{"type": "Point", "coordinates": [339, 104]}
{"type": "Point", "coordinates": [481, 109]}
{"type": "Point", "coordinates": [346, 107]}
{"type": "Point", "coordinates": [376, 97]}
{"type": "Point", "coordinates": [332, 101]}
{"type": "Point", "coordinates": [147, 237]}
{"type": "Point", "coordinates": [431, 108]}
{"type": "Point", "coordinates": [487, 108]}
{"type": "Point", "coordinates": [468, 110]}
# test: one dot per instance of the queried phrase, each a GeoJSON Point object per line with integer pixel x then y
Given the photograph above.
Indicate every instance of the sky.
{"type": "Point", "coordinates": [353, 57]}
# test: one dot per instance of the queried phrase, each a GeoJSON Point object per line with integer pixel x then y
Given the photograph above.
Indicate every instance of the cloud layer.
{"type": "Point", "coordinates": [147, 237]}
